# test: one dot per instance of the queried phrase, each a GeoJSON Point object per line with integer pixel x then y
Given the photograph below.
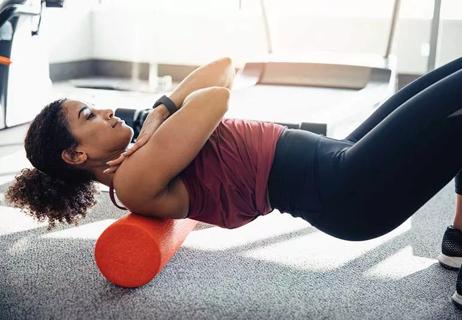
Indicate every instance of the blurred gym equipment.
{"type": "Point", "coordinates": [24, 72]}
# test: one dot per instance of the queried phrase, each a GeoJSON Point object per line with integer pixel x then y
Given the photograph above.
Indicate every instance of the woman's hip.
{"type": "Point", "coordinates": [309, 180]}
{"type": "Point", "coordinates": [302, 179]}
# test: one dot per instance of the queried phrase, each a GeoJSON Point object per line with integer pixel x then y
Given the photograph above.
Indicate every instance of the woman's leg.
{"type": "Point", "coordinates": [403, 95]}
{"type": "Point", "coordinates": [288, 191]}
{"type": "Point", "coordinates": [396, 100]}
{"type": "Point", "coordinates": [397, 166]}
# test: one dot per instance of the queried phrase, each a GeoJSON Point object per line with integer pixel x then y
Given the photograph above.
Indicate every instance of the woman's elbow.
{"type": "Point", "coordinates": [229, 71]}
{"type": "Point", "coordinates": [227, 61]}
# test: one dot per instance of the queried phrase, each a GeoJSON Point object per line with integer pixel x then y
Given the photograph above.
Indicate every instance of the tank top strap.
{"type": "Point", "coordinates": [111, 194]}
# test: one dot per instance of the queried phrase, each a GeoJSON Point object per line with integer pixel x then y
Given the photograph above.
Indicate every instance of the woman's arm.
{"type": "Point", "coordinates": [147, 173]}
{"type": "Point", "coordinates": [219, 73]}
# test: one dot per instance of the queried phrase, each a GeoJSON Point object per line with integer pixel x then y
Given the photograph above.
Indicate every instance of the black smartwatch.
{"type": "Point", "coordinates": [167, 102]}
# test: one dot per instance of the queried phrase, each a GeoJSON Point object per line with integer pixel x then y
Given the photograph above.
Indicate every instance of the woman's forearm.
{"type": "Point", "coordinates": [219, 73]}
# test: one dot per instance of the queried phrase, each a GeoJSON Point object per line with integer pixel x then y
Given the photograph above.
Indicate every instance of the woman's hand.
{"type": "Point", "coordinates": [150, 125]}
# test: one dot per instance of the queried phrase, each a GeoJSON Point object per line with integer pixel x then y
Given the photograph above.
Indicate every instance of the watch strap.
{"type": "Point", "coordinates": [167, 102]}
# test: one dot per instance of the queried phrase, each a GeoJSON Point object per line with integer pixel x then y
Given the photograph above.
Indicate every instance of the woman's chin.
{"type": "Point", "coordinates": [130, 133]}
{"type": "Point", "coordinates": [127, 131]}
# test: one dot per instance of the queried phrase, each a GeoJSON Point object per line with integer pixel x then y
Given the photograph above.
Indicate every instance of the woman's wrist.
{"type": "Point", "coordinates": [162, 112]}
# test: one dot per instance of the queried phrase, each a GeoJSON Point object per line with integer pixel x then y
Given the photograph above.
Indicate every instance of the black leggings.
{"type": "Point", "coordinates": [369, 183]}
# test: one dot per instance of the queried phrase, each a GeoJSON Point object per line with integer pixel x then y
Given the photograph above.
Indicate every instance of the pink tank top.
{"type": "Point", "coordinates": [227, 182]}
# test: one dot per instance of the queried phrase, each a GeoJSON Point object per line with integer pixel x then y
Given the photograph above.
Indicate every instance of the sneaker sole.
{"type": "Point", "coordinates": [457, 300]}
{"type": "Point", "coordinates": [452, 263]}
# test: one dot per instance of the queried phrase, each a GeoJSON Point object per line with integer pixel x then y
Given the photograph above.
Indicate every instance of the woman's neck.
{"type": "Point", "coordinates": [104, 178]}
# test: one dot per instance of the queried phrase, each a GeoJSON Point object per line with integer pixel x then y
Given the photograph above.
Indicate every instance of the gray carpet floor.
{"type": "Point", "coordinates": [276, 267]}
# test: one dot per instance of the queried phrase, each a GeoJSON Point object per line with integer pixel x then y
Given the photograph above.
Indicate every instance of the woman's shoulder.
{"type": "Point", "coordinates": [170, 202]}
{"type": "Point", "coordinates": [133, 182]}
{"type": "Point", "coordinates": [140, 177]}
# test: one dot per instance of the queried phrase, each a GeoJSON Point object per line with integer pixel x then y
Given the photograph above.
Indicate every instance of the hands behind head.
{"type": "Point", "coordinates": [150, 125]}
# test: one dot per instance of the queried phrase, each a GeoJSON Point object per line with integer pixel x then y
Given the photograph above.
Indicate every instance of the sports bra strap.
{"type": "Point", "coordinates": [111, 194]}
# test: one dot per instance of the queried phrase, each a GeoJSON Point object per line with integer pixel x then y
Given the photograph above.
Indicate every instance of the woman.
{"type": "Point", "coordinates": [228, 172]}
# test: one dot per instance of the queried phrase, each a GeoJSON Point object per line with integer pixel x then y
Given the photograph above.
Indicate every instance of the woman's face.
{"type": "Point", "coordinates": [101, 136]}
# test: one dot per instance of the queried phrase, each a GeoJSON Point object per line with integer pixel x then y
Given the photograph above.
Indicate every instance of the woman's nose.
{"type": "Point", "coordinates": [109, 113]}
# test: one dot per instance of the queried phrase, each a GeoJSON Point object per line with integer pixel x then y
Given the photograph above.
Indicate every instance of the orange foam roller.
{"type": "Point", "coordinates": [134, 249]}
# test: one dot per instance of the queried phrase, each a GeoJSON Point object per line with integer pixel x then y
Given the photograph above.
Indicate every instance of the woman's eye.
{"type": "Point", "coordinates": [91, 115]}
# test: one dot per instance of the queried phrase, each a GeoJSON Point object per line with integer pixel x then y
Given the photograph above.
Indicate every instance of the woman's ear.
{"type": "Point", "coordinates": [74, 157]}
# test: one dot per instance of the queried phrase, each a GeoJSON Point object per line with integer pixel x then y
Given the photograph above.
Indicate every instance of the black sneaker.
{"type": "Point", "coordinates": [451, 250]}
{"type": "Point", "coordinates": [457, 296]}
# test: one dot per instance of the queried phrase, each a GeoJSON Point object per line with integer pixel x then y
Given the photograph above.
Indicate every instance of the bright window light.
{"type": "Point", "coordinates": [401, 264]}
{"type": "Point", "coordinates": [272, 226]}
{"type": "Point", "coordinates": [318, 251]}
{"type": "Point", "coordinates": [12, 220]}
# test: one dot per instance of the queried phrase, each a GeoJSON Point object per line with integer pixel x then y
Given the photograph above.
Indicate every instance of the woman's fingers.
{"type": "Point", "coordinates": [110, 170]}
{"type": "Point", "coordinates": [130, 151]}
{"type": "Point", "coordinates": [114, 164]}
{"type": "Point", "coordinates": [138, 144]}
{"type": "Point", "coordinates": [117, 161]}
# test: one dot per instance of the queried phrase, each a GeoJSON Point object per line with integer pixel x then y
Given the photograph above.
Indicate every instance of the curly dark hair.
{"type": "Point", "coordinates": [53, 190]}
